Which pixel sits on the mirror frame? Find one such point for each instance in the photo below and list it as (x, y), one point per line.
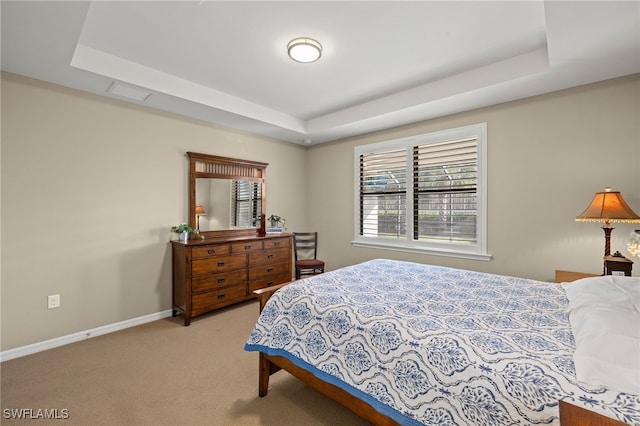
(214, 166)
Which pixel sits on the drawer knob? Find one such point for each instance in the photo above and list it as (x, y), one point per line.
(221, 296)
(247, 247)
(211, 251)
(269, 283)
(221, 280)
(220, 264)
(277, 243)
(269, 256)
(269, 269)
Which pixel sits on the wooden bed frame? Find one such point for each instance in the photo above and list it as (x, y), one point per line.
(570, 415)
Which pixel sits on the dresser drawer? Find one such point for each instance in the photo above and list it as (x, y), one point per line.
(269, 270)
(205, 302)
(216, 264)
(269, 281)
(246, 247)
(211, 250)
(272, 243)
(269, 274)
(269, 256)
(217, 281)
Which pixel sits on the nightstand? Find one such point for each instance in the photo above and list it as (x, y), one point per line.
(617, 264)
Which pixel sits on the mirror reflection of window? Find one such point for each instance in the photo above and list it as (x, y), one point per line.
(245, 204)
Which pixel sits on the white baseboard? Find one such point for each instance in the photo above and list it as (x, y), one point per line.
(81, 335)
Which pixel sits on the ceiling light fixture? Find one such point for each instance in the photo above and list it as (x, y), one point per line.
(304, 50)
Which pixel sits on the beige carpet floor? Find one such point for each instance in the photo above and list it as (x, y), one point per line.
(163, 373)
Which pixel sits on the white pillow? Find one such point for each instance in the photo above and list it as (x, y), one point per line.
(605, 319)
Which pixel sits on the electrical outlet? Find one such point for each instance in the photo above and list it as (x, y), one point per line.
(53, 301)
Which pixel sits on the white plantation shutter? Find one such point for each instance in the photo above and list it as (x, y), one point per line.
(245, 203)
(425, 193)
(445, 181)
(383, 194)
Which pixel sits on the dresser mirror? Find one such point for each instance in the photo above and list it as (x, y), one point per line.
(226, 196)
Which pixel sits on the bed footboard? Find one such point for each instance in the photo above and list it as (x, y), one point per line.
(359, 407)
(272, 364)
(264, 294)
(266, 368)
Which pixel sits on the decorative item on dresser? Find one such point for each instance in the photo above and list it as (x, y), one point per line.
(210, 274)
(184, 231)
(277, 222)
(232, 256)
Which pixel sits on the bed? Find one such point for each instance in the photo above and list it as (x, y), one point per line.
(407, 343)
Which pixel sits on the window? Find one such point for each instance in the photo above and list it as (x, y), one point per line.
(425, 193)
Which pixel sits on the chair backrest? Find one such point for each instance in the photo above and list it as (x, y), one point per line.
(305, 245)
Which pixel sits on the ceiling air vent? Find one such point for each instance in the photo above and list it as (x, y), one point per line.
(129, 92)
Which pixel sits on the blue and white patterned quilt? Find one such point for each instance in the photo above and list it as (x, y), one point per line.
(433, 345)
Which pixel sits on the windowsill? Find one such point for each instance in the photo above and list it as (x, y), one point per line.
(422, 250)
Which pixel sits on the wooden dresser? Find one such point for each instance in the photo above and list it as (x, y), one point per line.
(212, 273)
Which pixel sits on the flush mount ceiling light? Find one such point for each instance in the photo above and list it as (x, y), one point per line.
(304, 50)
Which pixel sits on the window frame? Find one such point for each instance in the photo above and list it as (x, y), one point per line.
(477, 251)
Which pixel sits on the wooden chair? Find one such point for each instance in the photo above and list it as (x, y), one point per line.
(305, 246)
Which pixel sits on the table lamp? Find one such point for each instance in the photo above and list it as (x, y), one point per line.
(608, 206)
(199, 212)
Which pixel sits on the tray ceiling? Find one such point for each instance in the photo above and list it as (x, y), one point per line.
(383, 64)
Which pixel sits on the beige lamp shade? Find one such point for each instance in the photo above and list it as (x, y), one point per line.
(608, 206)
(199, 212)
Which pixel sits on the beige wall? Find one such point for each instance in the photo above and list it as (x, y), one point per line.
(547, 156)
(91, 186)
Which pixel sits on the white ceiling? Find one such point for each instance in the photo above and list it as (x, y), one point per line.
(384, 64)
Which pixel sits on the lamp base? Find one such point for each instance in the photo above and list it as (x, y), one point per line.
(607, 228)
